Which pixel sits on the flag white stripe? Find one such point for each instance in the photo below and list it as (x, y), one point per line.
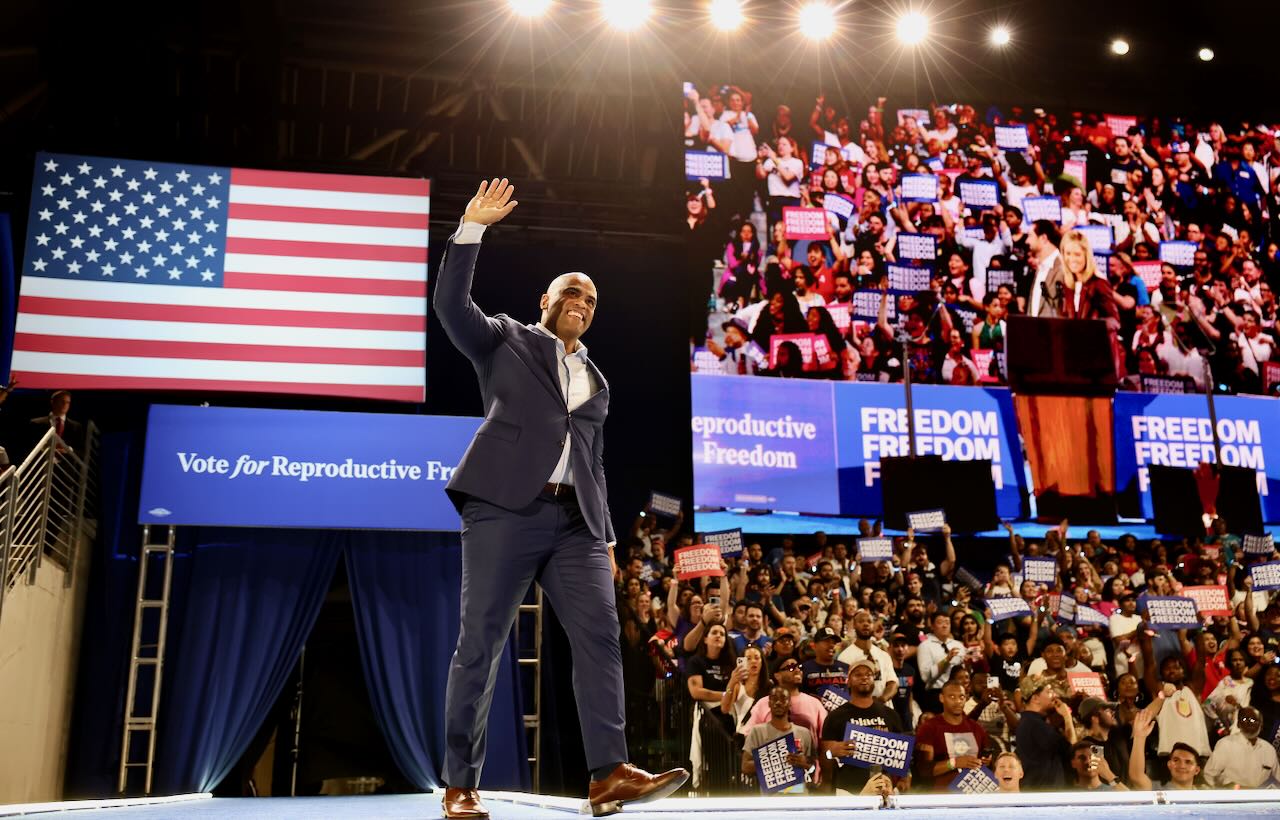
(321, 232)
(144, 330)
(132, 293)
(340, 200)
(148, 367)
(336, 268)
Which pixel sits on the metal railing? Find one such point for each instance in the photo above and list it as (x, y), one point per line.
(46, 504)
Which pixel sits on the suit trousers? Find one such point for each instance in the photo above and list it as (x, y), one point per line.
(503, 551)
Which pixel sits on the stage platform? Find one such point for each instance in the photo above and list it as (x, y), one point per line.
(779, 523)
(1108, 806)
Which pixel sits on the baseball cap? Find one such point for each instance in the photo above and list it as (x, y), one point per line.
(898, 637)
(826, 633)
(783, 632)
(864, 661)
(1031, 684)
(734, 322)
(1091, 706)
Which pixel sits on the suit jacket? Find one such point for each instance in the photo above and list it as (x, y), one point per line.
(72, 431)
(526, 415)
(1096, 302)
(1050, 300)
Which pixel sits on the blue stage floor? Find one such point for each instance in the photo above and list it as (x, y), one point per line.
(797, 524)
(427, 807)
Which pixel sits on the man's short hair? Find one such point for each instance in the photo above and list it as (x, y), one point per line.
(1048, 230)
(1013, 209)
(1183, 747)
(939, 614)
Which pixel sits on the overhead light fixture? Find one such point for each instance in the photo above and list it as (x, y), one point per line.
(1120, 47)
(817, 20)
(1206, 54)
(913, 28)
(626, 15)
(1000, 36)
(529, 8)
(726, 15)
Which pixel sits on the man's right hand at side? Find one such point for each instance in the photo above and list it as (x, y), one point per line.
(491, 203)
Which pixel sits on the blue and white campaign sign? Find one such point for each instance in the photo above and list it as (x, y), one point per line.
(1265, 576)
(975, 781)
(1170, 612)
(1259, 544)
(1179, 253)
(908, 279)
(919, 246)
(1175, 431)
(838, 204)
(1012, 138)
(773, 771)
(958, 424)
(967, 578)
(663, 504)
(877, 548)
(1040, 570)
(729, 542)
(818, 154)
(891, 752)
(1041, 207)
(1066, 609)
(241, 467)
(709, 164)
(833, 697)
(767, 449)
(1088, 616)
(865, 305)
(927, 520)
(1005, 607)
(1099, 237)
(919, 188)
(979, 193)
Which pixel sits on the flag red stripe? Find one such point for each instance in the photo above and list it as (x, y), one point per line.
(327, 216)
(218, 315)
(323, 284)
(149, 348)
(325, 250)
(71, 381)
(331, 182)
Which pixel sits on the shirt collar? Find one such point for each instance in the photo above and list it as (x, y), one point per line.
(581, 352)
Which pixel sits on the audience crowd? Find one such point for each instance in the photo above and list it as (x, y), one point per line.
(932, 229)
(802, 637)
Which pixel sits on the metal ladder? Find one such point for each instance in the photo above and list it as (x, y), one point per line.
(150, 624)
(529, 622)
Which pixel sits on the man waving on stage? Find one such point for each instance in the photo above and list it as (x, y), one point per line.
(531, 492)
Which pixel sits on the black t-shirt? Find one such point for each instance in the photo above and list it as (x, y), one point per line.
(907, 677)
(877, 716)
(816, 676)
(1009, 671)
(1044, 753)
(714, 676)
(1116, 749)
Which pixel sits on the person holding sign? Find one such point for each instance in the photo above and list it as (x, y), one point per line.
(865, 711)
(779, 725)
(949, 742)
(531, 492)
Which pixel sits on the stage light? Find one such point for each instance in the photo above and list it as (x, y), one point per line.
(529, 8)
(913, 27)
(1120, 47)
(626, 15)
(1000, 36)
(726, 15)
(1206, 54)
(817, 20)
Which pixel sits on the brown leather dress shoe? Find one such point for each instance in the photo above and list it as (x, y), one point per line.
(627, 784)
(464, 803)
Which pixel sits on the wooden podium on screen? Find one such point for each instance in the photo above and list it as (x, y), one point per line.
(1063, 377)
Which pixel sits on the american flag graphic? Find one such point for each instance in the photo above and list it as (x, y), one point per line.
(154, 276)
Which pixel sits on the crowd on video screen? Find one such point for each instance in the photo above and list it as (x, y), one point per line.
(838, 244)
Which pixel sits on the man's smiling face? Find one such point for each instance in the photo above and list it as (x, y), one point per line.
(568, 306)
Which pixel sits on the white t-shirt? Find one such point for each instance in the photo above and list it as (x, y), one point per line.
(882, 659)
(1122, 624)
(719, 132)
(1037, 666)
(743, 147)
(1017, 193)
(852, 151)
(778, 187)
(1181, 720)
(946, 136)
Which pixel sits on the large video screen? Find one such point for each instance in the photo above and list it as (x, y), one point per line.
(160, 276)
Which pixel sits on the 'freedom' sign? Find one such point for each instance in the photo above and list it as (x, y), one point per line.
(919, 188)
(1035, 208)
(906, 279)
(697, 561)
(975, 781)
(708, 164)
(927, 520)
(662, 504)
(1088, 616)
(1004, 607)
(1165, 613)
(979, 193)
(1040, 570)
(729, 542)
(833, 697)
(875, 549)
(1265, 576)
(773, 771)
(875, 748)
(921, 246)
(1012, 138)
(805, 223)
(1210, 600)
(1259, 544)
(1090, 683)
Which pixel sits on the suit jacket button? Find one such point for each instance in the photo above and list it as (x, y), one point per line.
(560, 442)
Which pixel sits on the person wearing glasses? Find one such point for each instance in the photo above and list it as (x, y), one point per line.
(1240, 760)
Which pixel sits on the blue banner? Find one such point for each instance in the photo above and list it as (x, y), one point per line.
(1265, 576)
(975, 781)
(1041, 570)
(240, 467)
(1004, 607)
(1088, 616)
(1174, 431)
(729, 542)
(773, 771)
(890, 751)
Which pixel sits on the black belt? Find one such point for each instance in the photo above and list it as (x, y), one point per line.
(559, 492)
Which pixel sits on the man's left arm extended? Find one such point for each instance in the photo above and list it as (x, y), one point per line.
(597, 465)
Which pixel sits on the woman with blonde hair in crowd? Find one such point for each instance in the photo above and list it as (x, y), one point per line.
(1087, 294)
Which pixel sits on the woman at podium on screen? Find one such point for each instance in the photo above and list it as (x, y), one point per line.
(1086, 295)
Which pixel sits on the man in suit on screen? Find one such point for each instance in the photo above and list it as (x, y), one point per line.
(531, 492)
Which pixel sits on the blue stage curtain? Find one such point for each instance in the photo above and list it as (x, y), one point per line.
(251, 599)
(405, 590)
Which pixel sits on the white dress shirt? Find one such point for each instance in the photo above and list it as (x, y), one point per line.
(930, 655)
(1236, 761)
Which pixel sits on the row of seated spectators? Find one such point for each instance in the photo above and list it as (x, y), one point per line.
(801, 637)
(1166, 233)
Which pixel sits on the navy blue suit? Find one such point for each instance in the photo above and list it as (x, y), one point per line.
(513, 536)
